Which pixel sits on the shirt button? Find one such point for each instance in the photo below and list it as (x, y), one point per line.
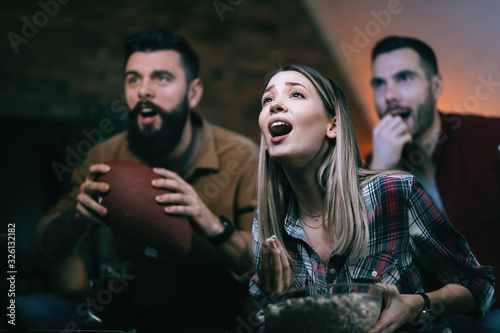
(332, 271)
(374, 273)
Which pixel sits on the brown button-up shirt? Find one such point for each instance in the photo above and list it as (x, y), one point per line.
(199, 290)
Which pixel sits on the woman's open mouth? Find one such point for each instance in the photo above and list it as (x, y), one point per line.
(279, 128)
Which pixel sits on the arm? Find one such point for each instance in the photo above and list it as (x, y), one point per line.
(450, 300)
(462, 284)
(184, 200)
(444, 253)
(60, 233)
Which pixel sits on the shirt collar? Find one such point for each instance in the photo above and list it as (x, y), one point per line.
(291, 222)
(207, 157)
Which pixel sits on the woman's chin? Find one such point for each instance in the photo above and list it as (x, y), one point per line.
(285, 159)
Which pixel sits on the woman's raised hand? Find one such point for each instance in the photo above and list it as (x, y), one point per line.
(275, 272)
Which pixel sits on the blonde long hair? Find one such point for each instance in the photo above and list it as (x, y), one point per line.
(340, 175)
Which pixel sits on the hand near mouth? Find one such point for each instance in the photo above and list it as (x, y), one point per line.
(389, 137)
(401, 112)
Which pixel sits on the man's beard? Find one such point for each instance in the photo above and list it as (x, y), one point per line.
(425, 117)
(154, 145)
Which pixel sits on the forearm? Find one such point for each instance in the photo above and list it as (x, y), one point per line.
(403, 309)
(236, 249)
(448, 301)
(60, 237)
(237, 252)
(451, 300)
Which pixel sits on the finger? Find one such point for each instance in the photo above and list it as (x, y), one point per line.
(179, 204)
(265, 274)
(392, 291)
(393, 127)
(383, 325)
(173, 198)
(83, 213)
(406, 138)
(385, 126)
(91, 205)
(387, 118)
(174, 184)
(287, 271)
(276, 266)
(386, 322)
(97, 169)
(397, 127)
(171, 181)
(91, 187)
(166, 173)
(186, 211)
(168, 184)
(395, 135)
(380, 326)
(380, 126)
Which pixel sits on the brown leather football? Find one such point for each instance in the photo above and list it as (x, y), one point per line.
(134, 214)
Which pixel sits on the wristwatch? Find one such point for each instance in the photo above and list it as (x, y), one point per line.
(426, 312)
(225, 234)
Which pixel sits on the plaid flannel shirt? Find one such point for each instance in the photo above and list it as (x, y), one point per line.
(411, 245)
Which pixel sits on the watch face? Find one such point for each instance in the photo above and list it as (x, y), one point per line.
(424, 316)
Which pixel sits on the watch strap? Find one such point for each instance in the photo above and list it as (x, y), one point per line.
(427, 301)
(426, 311)
(225, 234)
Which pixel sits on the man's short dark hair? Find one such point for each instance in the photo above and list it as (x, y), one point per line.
(392, 43)
(156, 40)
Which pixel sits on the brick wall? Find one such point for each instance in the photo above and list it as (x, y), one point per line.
(72, 65)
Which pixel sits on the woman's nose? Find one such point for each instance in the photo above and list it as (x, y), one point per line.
(277, 106)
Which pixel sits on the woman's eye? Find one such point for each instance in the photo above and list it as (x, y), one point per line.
(297, 94)
(162, 78)
(266, 100)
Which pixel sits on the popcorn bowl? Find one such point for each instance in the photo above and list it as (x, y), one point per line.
(338, 307)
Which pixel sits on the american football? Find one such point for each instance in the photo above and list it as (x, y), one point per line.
(134, 214)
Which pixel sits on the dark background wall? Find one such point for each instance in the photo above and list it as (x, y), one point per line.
(61, 73)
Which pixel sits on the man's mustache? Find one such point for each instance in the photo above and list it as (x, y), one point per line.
(146, 105)
(398, 110)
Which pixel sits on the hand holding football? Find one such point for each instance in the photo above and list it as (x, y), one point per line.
(134, 214)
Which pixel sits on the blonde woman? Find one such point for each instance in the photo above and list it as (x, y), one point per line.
(336, 222)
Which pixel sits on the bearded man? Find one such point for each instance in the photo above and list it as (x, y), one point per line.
(206, 291)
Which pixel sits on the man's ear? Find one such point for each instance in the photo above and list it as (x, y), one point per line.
(195, 92)
(437, 85)
(331, 131)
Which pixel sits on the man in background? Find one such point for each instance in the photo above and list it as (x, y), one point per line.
(455, 157)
